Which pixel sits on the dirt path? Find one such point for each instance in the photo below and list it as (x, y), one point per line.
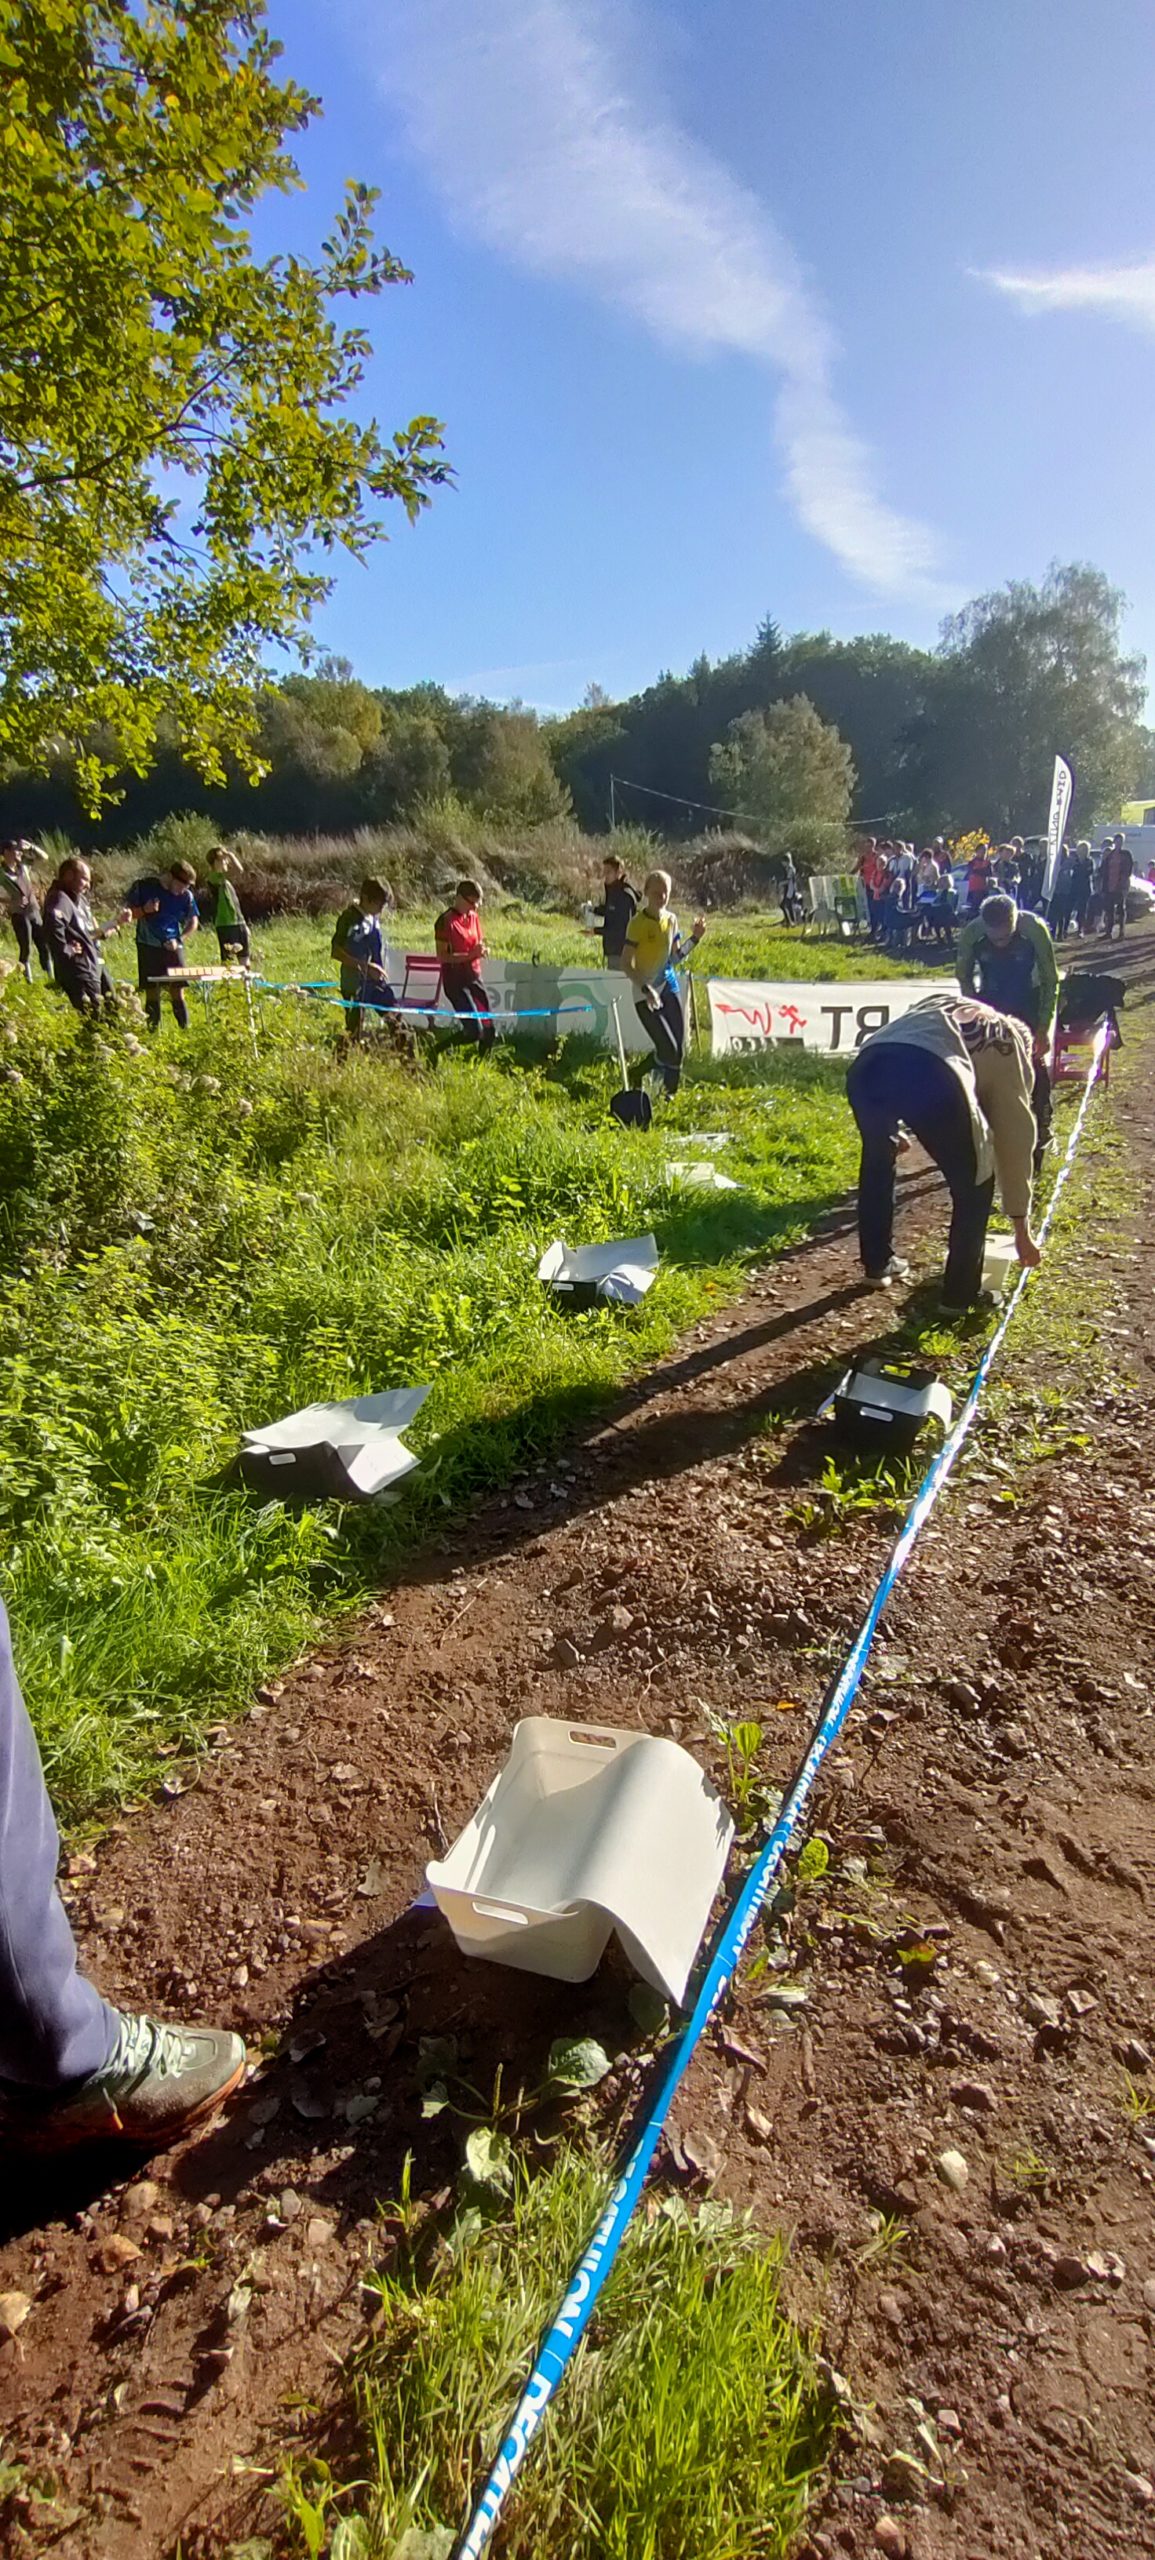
(992, 1807)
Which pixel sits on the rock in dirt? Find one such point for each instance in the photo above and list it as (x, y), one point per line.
(14, 2310)
(115, 2252)
(889, 2537)
(953, 2170)
(1069, 2271)
(975, 2096)
(1136, 2056)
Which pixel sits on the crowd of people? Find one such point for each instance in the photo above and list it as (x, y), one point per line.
(640, 936)
(922, 897)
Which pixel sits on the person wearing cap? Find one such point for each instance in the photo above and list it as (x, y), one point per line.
(957, 1075)
(19, 902)
(1008, 958)
(73, 2069)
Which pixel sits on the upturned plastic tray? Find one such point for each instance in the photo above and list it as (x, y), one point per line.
(585, 1830)
(351, 1451)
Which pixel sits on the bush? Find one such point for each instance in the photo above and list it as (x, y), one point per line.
(730, 870)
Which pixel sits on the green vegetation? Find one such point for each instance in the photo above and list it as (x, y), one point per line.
(693, 2416)
(193, 1239)
(938, 740)
(148, 349)
(789, 773)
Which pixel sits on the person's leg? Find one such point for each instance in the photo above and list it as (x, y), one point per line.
(459, 994)
(486, 1026)
(43, 946)
(149, 985)
(22, 929)
(1042, 1107)
(179, 1001)
(869, 1094)
(670, 1040)
(54, 2026)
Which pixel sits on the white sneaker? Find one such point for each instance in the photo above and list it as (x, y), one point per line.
(896, 1269)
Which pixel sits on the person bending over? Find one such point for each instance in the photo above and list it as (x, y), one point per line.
(20, 903)
(223, 906)
(358, 944)
(163, 910)
(957, 1074)
(72, 2069)
(1008, 959)
(460, 946)
(654, 948)
(75, 939)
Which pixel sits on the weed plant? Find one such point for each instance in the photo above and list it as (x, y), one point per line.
(194, 1239)
(693, 2411)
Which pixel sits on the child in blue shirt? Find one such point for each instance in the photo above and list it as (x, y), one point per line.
(163, 910)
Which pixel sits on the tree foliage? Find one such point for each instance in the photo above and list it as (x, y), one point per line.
(789, 771)
(177, 454)
(1023, 674)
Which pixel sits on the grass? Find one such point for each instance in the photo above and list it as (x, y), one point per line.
(194, 1239)
(740, 946)
(693, 2411)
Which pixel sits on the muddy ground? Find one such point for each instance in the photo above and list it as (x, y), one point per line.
(974, 1976)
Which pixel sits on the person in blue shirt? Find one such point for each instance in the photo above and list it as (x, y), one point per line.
(359, 944)
(164, 910)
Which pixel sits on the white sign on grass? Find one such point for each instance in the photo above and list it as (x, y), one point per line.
(832, 1015)
(544, 1001)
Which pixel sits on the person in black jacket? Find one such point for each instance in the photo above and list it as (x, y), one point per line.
(616, 913)
(75, 939)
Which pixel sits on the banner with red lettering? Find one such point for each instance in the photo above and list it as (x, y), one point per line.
(832, 1015)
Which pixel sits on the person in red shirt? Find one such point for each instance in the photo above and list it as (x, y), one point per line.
(461, 949)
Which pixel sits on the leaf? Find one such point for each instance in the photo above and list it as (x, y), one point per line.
(425, 2542)
(577, 2062)
(648, 2009)
(436, 2058)
(489, 2159)
(814, 1861)
(351, 2540)
(436, 2099)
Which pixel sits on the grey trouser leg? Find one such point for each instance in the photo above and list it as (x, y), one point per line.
(54, 2027)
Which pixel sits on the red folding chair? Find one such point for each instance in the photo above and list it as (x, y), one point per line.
(422, 986)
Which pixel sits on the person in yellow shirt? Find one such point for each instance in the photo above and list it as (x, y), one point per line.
(654, 948)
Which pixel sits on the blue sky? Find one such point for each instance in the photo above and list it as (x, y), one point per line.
(837, 310)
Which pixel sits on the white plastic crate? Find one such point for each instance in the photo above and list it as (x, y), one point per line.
(585, 1830)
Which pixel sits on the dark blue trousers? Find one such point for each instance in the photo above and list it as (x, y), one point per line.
(54, 2027)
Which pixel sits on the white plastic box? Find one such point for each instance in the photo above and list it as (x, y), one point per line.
(586, 1830)
(1000, 1263)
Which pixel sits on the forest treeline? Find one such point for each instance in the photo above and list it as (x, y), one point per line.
(811, 730)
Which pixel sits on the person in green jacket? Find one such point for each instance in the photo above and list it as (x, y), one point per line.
(222, 906)
(1006, 957)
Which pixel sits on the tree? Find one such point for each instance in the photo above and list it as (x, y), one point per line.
(791, 773)
(177, 457)
(1021, 675)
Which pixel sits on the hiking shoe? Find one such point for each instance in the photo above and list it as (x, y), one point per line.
(895, 1269)
(159, 2083)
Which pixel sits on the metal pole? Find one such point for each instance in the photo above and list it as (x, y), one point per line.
(613, 812)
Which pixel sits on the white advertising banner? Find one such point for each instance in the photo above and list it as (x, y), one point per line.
(527, 995)
(1061, 789)
(832, 1015)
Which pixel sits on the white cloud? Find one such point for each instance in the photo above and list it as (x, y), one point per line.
(521, 114)
(1114, 293)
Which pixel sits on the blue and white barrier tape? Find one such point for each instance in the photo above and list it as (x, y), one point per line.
(561, 2341)
(370, 1003)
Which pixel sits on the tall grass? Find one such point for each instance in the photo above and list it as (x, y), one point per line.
(194, 1239)
(693, 2415)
